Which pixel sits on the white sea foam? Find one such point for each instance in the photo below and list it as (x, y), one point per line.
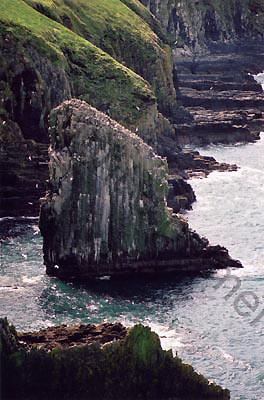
(191, 315)
(21, 218)
(31, 280)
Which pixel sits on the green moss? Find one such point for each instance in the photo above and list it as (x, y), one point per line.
(144, 13)
(144, 345)
(92, 18)
(133, 368)
(96, 77)
(127, 31)
(167, 226)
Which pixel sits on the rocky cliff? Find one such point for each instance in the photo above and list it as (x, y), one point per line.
(128, 33)
(49, 58)
(45, 63)
(53, 51)
(120, 58)
(198, 25)
(96, 362)
(224, 101)
(106, 212)
(215, 45)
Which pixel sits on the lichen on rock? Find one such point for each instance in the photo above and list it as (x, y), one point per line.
(108, 194)
(106, 212)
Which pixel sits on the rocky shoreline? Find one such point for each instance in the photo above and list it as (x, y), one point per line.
(222, 103)
(191, 94)
(225, 103)
(204, 89)
(96, 362)
(64, 336)
(180, 75)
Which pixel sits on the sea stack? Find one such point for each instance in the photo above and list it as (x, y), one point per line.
(106, 210)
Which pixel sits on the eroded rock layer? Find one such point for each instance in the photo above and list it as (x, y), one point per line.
(197, 25)
(106, 212)
(215, 46)
(224, 101)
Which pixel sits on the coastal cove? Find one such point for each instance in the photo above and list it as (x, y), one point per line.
(131, 199)
(188, 313)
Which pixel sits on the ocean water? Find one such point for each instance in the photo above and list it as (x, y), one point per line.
(214, 321)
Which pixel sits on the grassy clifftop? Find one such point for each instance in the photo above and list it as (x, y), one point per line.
(93, 74)
(127, 31)
(92, 18)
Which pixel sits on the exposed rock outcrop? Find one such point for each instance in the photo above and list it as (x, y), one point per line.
(106, 212)
(122, 364)
(64, 336)
(23, 177)
(215, 47)
(202, 24)
(225, 103)
(43, 64)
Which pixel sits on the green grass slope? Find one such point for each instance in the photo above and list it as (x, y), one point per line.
(95, 16)
(127, 31)
(93, 75)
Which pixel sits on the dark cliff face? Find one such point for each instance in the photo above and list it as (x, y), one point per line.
(46, 63)
(30, 86)
(106, 212)
(215, 45)
(107, 204)
(197, 25)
